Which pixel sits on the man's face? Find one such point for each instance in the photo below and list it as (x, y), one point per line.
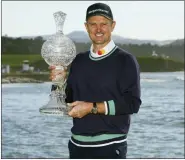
(99, 29)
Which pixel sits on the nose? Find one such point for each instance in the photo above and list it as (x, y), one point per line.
(98, 27)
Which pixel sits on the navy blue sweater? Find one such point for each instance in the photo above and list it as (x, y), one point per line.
(114, 78)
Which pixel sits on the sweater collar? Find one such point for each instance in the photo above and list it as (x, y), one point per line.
(102, 51)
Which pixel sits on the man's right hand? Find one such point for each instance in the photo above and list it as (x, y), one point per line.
(56, 72)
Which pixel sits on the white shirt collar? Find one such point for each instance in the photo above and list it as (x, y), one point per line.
(106, 49)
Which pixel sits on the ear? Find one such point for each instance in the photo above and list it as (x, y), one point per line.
(85, 23)
(113, 25)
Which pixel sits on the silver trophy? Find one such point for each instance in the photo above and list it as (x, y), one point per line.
(58, 51)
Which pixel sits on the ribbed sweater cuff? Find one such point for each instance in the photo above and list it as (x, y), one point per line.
(111, 108)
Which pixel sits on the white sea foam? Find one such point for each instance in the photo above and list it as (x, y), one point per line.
(179, 78)
(152, 80)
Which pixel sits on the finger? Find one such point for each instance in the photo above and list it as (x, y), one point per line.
(57, 72)
(70, 114)
(73, 114)
(51, 67)
(73, 103)
(52, 75)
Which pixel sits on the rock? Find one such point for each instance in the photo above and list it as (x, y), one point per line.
(5, 81)
(19, 80)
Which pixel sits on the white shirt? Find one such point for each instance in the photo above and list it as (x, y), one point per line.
(106, 49)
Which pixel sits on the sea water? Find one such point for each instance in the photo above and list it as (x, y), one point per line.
(157, 131)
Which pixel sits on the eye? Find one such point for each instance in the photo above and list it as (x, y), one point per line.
(104, 24)
(92, 24)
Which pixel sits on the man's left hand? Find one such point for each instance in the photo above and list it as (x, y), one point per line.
(80, 109)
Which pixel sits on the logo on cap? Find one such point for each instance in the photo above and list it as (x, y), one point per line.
(96, 10)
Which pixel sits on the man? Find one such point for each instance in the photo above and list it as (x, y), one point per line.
(103, 89)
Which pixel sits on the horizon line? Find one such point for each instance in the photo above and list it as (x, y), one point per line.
(6, 35)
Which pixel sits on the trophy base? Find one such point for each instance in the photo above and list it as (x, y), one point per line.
(56, 104)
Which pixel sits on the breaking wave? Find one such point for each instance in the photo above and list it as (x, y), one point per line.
(152, 80)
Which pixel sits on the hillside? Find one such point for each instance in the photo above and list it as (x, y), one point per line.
(177, 42)
(82, 37)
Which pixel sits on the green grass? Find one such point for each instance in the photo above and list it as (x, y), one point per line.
(17, 60)
(153, 64)
(147, 64)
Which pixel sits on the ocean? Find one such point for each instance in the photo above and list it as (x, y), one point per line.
(156, 131)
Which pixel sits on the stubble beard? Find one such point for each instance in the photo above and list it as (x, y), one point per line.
(104, 42)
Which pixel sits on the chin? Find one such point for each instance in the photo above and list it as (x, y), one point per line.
(99, 42)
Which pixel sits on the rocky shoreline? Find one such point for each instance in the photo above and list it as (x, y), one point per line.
(19, 80)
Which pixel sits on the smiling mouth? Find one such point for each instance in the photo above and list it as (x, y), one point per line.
(99, 34)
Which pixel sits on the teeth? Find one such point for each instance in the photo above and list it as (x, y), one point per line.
(99, 34)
